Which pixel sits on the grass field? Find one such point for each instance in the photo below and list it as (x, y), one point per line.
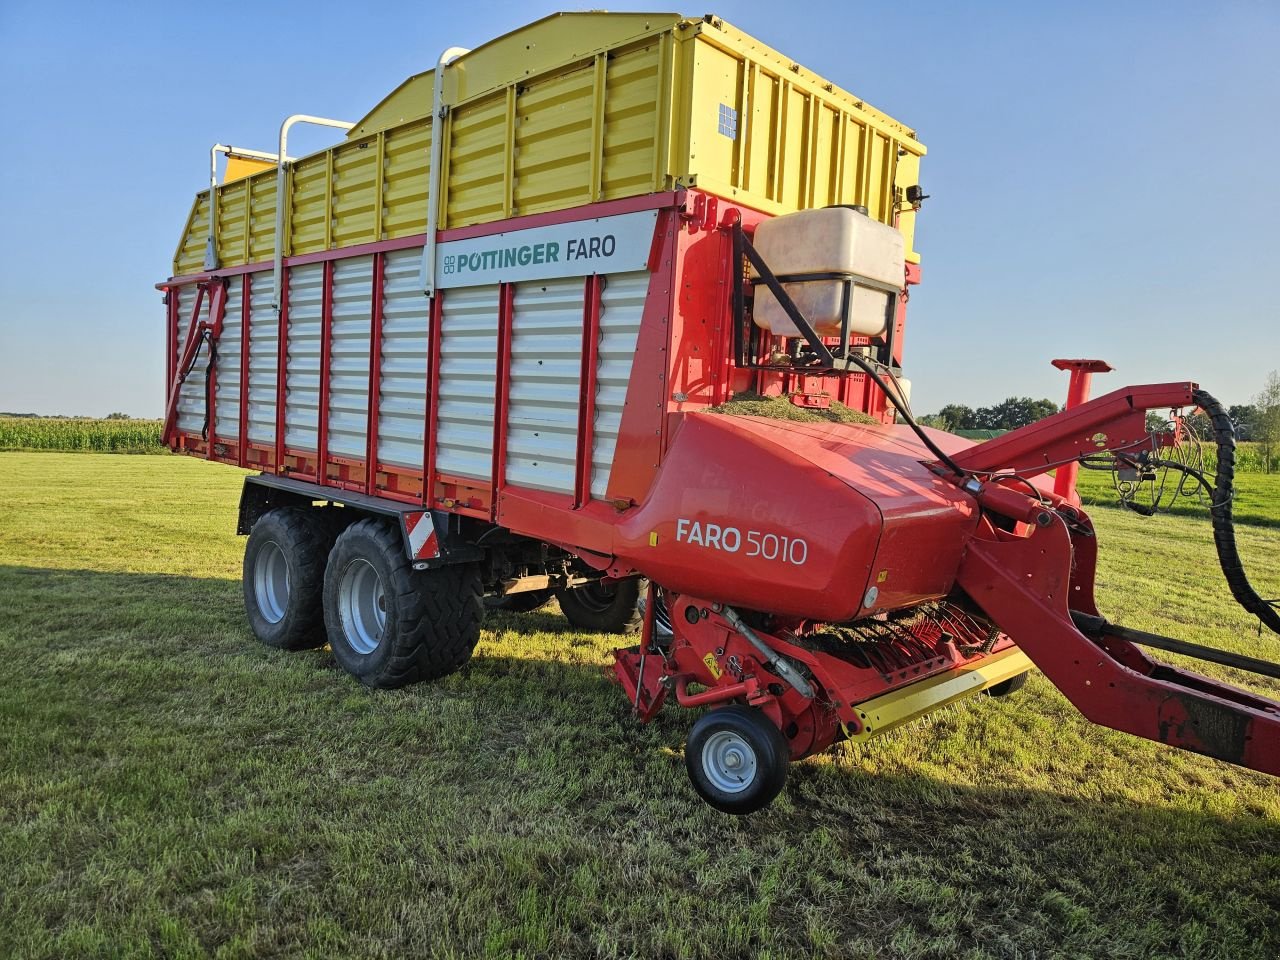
(170, 789)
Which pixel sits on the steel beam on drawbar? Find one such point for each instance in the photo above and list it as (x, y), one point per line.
(1099, 626)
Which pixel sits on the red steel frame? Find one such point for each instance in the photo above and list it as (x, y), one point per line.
(587, 379)
(245, 343)
(375, 377)
(436, 318)
(326, 359)
(502, 398)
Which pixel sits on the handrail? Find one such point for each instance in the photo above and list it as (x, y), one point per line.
(282, 167)
(438, 113)
(211, 246)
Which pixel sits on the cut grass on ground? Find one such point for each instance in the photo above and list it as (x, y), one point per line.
(169, 788)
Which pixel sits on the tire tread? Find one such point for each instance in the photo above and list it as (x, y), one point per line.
(438, 612)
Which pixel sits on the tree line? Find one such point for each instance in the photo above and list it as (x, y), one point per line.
(1007, 415)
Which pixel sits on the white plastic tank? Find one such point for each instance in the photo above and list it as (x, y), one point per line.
(834, 240)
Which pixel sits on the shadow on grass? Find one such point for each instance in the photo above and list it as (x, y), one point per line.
(150, 695)
(534, 658)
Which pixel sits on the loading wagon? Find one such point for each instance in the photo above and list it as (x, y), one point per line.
(485, 350)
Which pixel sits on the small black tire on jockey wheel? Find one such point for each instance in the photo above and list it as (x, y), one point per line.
(283, 577)
(611, 606)
(390, 625)
(737, 759)
(1008, 687)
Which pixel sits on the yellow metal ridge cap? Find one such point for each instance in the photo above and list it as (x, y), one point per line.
(558, 40)
(735, 40)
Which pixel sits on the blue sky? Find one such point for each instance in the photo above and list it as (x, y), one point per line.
(1102, 176)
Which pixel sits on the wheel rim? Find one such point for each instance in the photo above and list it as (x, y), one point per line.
(729, 762)
(362, 605)
(597, 597)
(271, 582)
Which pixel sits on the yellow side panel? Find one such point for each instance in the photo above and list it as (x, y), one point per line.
(553, 142)
(262, 217)
(307, 225)
(632, 88)
(762, 130)
(761, 140)
(824, 183)
(715, 115)
(231, 201)
(477, 162)
(408, 152)
(794, 150)
(531, 51)
(189, 257)
(240, 167)
(355, 192)
(408, 102)
(572, 109)
(908, 176)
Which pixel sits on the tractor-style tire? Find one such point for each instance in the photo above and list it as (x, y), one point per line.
(524, 602)
(737, 759)
(600, 607)
(390, 625)
(283, 577)
(1008, 687)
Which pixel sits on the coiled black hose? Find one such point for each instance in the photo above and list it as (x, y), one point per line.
(1224, 531)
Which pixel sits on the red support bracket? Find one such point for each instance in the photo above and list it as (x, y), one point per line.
(587, 380)
(326, 361)
(375, 376)
(246, 344)
(502, 388)
(216, 289)
(436, 315)
(1082, 371)
(282, 371)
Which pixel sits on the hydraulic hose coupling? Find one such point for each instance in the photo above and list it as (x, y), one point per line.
(773, 661)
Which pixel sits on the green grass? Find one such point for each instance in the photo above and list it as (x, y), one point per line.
(170, 789)
(80, 435)
(1257, 500)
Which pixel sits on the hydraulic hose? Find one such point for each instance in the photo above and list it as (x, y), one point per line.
(905, 413)
(1224, 531)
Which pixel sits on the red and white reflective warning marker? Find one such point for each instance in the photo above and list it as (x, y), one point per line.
(421, 532)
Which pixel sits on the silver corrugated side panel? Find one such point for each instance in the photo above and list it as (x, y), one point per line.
(302, 383)
(545, 386)
(621, 307)
(349, 357)
(228, 366)
(402, 403)
(468, 375)
(264, 332)
(191, 395)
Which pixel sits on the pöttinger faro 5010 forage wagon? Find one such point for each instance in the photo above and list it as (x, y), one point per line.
(475, 351)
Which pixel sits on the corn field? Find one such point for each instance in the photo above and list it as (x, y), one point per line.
(84, 434)
(80, 435)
